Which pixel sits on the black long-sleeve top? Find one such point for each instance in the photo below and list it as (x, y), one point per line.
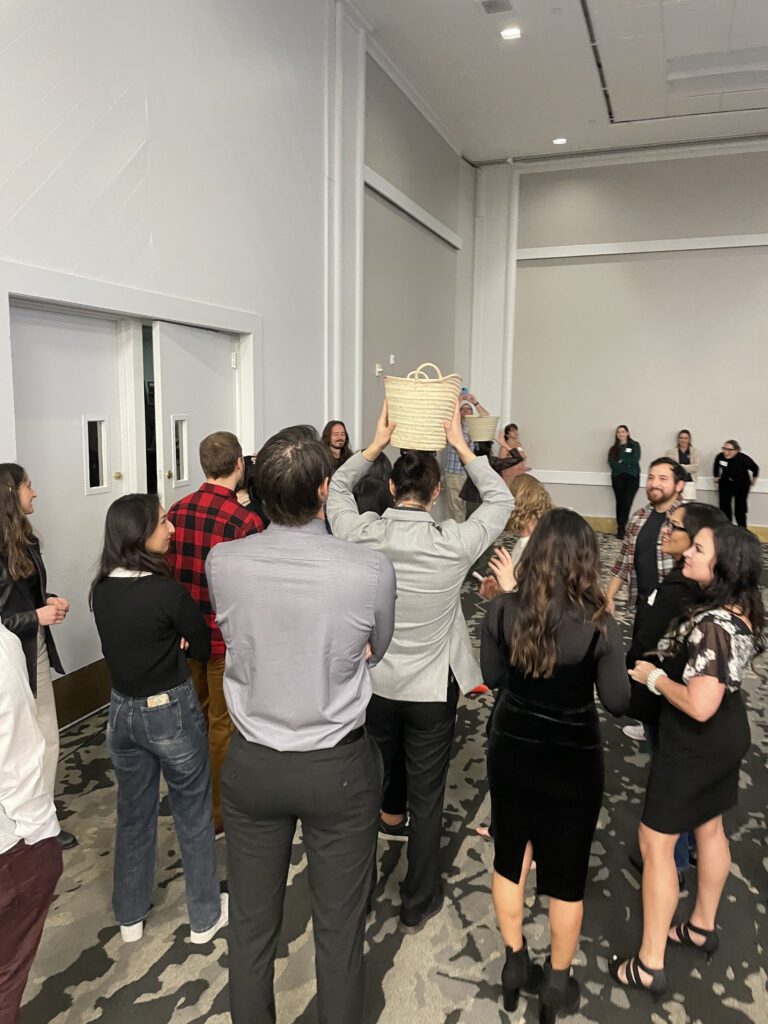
(141, 621)
(573, 638)
(736, 470)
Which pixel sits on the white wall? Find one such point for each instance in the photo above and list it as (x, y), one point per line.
(180, 148)
(671, 337)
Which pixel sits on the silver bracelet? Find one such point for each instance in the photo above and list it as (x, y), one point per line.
(653, 678)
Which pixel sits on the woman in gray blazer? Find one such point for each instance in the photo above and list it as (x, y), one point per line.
(416, 684)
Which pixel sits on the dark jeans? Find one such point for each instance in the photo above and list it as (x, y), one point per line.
(426, 732)
(734, 499)
(336, 794)
(143, 741)
(28, 877)
(625, 488)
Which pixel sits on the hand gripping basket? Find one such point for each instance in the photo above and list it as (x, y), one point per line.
(419, 404)
(482, 428)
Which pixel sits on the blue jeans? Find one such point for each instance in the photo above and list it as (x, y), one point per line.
(142, 742)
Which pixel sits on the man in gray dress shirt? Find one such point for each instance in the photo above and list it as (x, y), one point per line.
(304, 615)
(415, 685)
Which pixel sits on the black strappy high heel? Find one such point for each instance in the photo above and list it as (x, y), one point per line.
(518, 973)
(710, 945)
(658, 985)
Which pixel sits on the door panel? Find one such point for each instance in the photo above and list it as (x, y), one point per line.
(194, 396)
(65, 377)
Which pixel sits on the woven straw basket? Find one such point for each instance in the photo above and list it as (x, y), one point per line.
(419, 404)
(482, 428)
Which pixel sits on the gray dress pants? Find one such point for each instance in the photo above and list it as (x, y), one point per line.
(336, 794)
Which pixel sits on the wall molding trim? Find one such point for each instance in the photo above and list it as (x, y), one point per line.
(384, 188)
(560, 252)
(650, 154)
(583, 478)
(377, 51)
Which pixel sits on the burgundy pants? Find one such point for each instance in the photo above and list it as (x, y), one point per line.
(28, 877)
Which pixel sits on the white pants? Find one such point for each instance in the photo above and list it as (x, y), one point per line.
(46, 715)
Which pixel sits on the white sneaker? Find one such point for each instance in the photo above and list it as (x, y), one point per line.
(198, 938)
(132, 932)
(634, 732)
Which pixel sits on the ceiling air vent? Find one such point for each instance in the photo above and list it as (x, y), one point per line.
(497, 6)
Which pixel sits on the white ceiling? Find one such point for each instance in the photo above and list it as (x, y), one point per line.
(672, 71)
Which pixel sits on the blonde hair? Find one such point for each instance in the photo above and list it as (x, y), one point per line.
(532, 501)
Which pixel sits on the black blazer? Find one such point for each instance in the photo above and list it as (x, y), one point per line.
(18, 614)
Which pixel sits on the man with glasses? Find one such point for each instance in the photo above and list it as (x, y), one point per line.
(735, 473)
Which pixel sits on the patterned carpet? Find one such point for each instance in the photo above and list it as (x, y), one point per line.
(446, 974)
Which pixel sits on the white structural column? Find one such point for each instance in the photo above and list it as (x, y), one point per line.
(344, 215)
(495, 268)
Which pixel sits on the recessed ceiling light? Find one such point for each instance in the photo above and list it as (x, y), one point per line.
(559, 142)
(513, 32)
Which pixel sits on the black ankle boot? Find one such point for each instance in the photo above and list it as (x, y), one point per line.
(518, 973)
(560, 994)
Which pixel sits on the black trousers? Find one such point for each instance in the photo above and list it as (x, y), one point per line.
(426, 732)
(336, 794)
(734, 499)
(395, 799)
(625, 488)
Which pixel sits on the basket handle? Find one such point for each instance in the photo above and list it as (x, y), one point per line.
(417, 374)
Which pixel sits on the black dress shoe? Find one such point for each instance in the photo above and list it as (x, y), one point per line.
(66, 840)
(411, 922)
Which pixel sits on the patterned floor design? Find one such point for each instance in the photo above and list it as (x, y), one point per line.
(446, 974)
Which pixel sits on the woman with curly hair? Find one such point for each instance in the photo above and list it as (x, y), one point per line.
(703, 738)
(547, 644)
(532, 501)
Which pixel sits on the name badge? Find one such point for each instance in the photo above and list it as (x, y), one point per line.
(628, 451)
(158, 701)
(724, 463)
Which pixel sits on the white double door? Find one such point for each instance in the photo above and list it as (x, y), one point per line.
(78, 384)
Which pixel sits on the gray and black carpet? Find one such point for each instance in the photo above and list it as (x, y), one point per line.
(449, 972)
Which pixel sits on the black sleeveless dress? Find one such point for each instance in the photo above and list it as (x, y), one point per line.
(545, 763)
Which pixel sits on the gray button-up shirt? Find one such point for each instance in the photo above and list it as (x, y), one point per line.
(296, 608)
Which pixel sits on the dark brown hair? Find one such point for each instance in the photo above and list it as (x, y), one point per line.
(614, 450)
(289, 473)
(557, 576)
(130, 522)
(346, 451)
(219, 453)
(15, 532)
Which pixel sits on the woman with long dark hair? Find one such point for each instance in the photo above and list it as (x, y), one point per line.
(624, 460)
(29, 611)
(703, 738)
(547, 644)
(147, 622)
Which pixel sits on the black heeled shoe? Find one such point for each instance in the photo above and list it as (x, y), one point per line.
(658, 985)
(709, 946)
(518, 973)
(560, 994)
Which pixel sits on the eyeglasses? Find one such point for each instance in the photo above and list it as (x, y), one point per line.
(725, 448)
(673, 526)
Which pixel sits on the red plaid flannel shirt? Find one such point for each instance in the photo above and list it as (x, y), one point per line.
(625, 564)
(202, 520)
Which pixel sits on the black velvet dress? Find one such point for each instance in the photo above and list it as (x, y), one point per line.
(545, 757)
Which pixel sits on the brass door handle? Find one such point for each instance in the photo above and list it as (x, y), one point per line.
(169, 474)
(118, 475)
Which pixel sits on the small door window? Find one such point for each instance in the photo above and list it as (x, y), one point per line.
(180, 452)
(96, 454)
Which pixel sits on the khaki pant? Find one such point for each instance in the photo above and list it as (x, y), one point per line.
(453, 484)
(45, 705)
(208, 677)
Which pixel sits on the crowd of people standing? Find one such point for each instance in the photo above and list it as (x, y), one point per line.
(289, 674)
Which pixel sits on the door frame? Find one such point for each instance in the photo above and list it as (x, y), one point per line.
(132, 307)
